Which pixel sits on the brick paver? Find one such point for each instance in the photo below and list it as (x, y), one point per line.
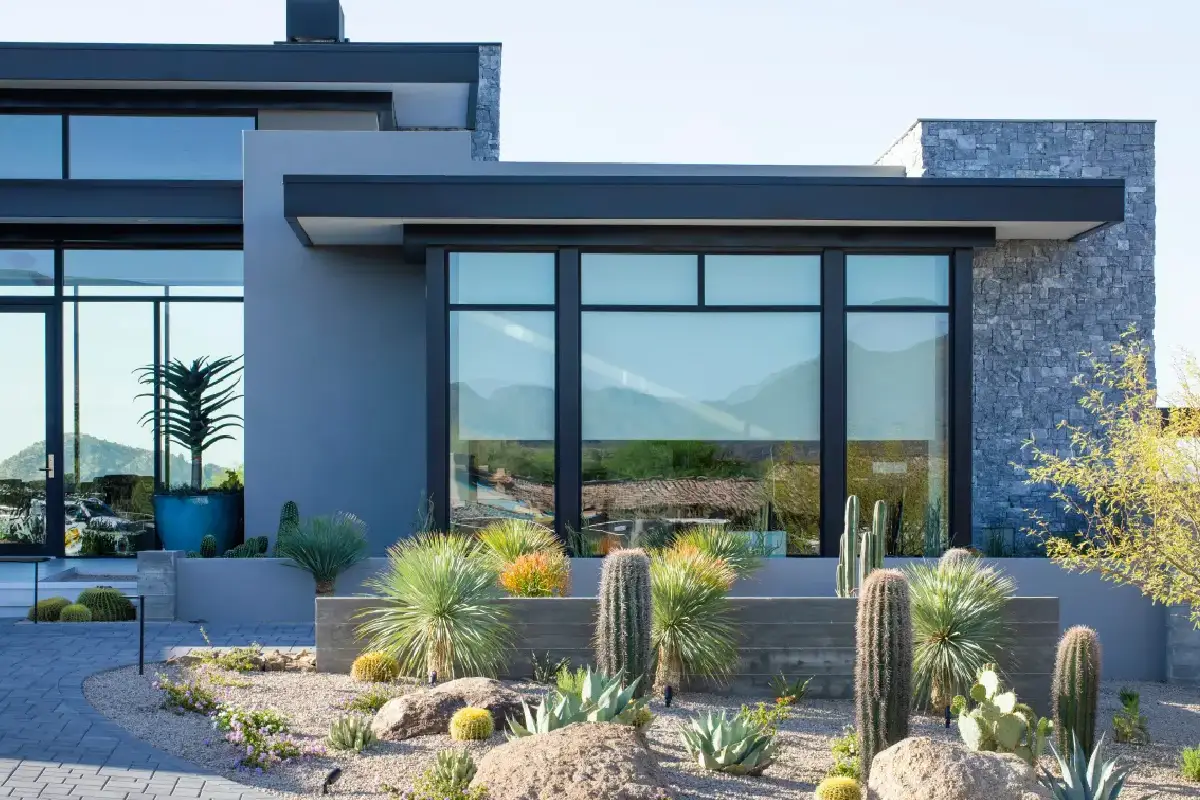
(54, 745)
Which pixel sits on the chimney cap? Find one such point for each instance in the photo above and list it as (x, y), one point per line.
(315, 21)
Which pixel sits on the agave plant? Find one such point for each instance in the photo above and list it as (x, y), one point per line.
(735, 745)
(736, 549)
(442, 612)
(194, 401)
(326, 547)
(1085, 778)
(692, 631)
(600, 699)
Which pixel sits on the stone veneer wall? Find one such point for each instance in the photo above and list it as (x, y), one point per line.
(1038, 304)
(485, 139)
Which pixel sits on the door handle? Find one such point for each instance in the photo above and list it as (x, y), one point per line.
(49, 468)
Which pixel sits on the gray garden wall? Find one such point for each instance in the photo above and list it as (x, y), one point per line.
(799, 636)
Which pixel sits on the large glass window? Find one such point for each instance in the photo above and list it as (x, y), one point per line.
(897, 280)
(27, 273)
(754, 280)
(30, 146)
(502, 278)
(157, 148)
(702, 418)
(153, 273)
(639, 279)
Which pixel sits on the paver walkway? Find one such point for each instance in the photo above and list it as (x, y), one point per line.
(54, 745)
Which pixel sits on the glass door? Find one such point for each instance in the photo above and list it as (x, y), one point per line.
(30, 433)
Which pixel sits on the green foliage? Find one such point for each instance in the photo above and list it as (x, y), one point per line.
(735, 745)
(998, 723)
(208, 546)
(266, 720)
(845, 755)
(847, 566)
(571, 682)
(75, 612)
(1129, 725)
(767, 717)
(1075, 688)
(441, 609)
(783, 688)
(504, 541)
(327, 546)
(375, 667)
(471, 724)
(692, 628)
(180, 696)
(448, 779)
(874, 543)
(883, 664)
(838, 788)
(601, 699)
(47, 610)
(260, 736)
(546, 668)
(233, 659)
(624, 625)
(370, 701)
(742, 551)
(1083, 778)
(351, 732)
(958, 625)
(1189, 764)
(97, 543)
(106, 604)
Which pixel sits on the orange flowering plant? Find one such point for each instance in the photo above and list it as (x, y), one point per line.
(541, 574)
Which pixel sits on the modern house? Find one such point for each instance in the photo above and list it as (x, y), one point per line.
(612, 350)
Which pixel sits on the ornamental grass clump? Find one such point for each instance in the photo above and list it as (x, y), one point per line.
(739, 550)
(546, 574)
(692, 630)
(325, 547)
(503, 542)
(441, 610)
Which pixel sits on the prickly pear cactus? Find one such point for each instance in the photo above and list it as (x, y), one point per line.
(997, 722)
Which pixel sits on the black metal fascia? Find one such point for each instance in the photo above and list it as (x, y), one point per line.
(734, 198)
(184, 101)
(121, 202)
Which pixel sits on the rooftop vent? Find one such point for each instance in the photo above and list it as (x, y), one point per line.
(315, 21)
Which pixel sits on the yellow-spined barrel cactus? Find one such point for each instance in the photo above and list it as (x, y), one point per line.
(375, 668)
(469, 724)
(48, 610)
(838, 789)
(75, 613)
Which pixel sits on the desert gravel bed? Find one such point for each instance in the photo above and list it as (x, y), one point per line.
(311, 701)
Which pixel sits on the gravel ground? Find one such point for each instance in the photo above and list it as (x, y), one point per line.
(312, 701)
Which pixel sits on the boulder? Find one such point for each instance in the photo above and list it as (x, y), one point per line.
(934, 769)
(428, 711)
(584, 761)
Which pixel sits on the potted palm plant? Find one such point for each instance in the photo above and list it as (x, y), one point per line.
(194, 414)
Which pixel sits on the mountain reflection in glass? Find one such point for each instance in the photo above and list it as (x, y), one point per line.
(701, 418)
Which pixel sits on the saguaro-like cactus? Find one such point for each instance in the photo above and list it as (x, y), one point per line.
(208, 546)
(623, 629)
(874, 542)
(1075, 688)
(847, 566)
(289, 522)
(883, 665)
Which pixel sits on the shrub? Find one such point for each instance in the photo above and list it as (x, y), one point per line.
(845, 755)
(1189, 764)
(1075, 689)
(735, 745)
(351, 732)
(958, 626)
(623, 627)
(106, 604)
(1129, 725)
(440, 611)
(838, 789)
(998, 723)
(503, 542)
(769, 718)
(692, 630)
(326, 547)
(469, 724)
(448, 779)
(537, 575)
(247, 658)
(47, 610)
(546, 668)
(571, 682)
(375, 668)
(370, 701)
(182, 696)
(266, 720)
(260, 736)
(883, 666)
(737, 549)
(75, 612)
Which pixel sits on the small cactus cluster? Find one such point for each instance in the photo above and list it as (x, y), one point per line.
(254, 547)
(1075, 688)
(883, 664)
(998, 723)
(375, 668)
(351, 732)
(623, 627)
(47, 610)
(471, 724)
(106, 604)
(857, 557)
(956, 555)
(75, 613)
(841, 788)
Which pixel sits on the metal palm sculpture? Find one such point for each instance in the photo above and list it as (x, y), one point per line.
(194, 399)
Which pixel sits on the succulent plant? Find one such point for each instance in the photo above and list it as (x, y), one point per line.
(1086, 778)
(47, 610)
(1129, 725)
(351, 732)
(998, 723)
(106, 604)
(471, 724)
(601, 699)
(874, 543)
(75, 613)
(208, 546)
(840, 788)
(1075, 688)
(453, 769)
(721, 743)
(847, 566)
(956, 554)
(883, 664)
(375, 668)
(623, 626)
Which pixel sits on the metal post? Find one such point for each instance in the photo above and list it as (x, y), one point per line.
(35, 590)
(141, 634)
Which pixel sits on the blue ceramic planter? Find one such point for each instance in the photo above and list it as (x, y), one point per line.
(182, 521)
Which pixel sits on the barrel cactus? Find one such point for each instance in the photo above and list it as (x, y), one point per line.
(840, 788)
(874, 542)
(623, 627)
(883, 665)
(997, 722)
(1075, 688)
(47, 610)
(75, 613)
(208, 546)
(471, 724)
(847, 566)
(375, 668)
(106, 604)
(956, 555)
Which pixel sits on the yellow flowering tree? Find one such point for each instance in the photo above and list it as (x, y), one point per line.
(1133, 479)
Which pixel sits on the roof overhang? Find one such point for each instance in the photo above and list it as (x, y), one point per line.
(348, 210)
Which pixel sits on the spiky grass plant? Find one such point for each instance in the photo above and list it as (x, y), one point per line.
(441, 611)
(958, 626)
(692, 631)
(545, 574)
(737, 549)
(326, 547)
(503, 542)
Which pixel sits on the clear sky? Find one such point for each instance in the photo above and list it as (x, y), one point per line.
(767, 81)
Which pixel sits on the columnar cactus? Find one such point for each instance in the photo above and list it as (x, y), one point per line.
(847, 566)
(883, 666)
(623, 628)
(874, 542)
(208, 546)
(1075, 688)
(289, 522)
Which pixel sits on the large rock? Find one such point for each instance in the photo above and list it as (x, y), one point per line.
(428, 711)
(584, 761)
(920, 767)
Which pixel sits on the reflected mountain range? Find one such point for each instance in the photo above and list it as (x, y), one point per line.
(100, 457)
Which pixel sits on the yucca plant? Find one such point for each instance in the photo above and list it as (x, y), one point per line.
(442, 611)
(1084, 778)
(958, 627)
(692, 632)
(195, 398)
(736, 548)
(326, 547)
(504, 541)
(735, 745)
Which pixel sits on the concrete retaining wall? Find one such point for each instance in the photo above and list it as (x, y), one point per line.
(799, 636)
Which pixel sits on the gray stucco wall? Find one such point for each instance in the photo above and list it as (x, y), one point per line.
(1039, 304)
